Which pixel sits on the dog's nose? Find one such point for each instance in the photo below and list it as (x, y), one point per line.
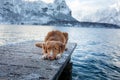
(51, 58)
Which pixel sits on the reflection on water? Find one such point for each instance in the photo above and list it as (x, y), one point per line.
(97, 56)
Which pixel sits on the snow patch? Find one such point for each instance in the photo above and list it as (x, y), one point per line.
(107, 15)
(33, 11)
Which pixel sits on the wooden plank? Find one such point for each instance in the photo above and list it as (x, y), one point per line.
(22, 61)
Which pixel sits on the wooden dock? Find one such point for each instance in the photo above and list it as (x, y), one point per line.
(22, 61)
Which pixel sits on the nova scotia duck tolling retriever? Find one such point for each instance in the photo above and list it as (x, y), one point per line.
(54, 44)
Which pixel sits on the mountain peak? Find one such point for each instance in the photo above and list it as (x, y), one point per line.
(37, 12)
(59, 1)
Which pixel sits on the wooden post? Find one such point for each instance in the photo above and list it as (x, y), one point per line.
(67, 72)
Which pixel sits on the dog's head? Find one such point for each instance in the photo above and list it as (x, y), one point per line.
(52, 48)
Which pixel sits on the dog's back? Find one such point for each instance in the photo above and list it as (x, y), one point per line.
(54, 44)
(57, 36)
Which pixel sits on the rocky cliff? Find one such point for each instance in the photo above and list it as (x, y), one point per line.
(37, 12)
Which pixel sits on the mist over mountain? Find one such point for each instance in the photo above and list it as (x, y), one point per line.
(109, 14)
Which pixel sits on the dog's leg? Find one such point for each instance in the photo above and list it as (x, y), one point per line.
(66, 49)
(44, 56)
(58, 56)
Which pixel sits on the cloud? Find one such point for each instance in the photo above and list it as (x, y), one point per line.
(48, 1)
(81, 8)
(74, 4)
(116, 5)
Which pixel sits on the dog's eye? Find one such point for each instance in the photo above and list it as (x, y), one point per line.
(56, 48)
(43, 47)
(48, 48)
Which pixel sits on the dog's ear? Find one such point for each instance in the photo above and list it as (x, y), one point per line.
(62, 48)
(40, 44)
(66, 36)
(43, 46)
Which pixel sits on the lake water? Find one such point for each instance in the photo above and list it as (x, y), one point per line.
(96, 57)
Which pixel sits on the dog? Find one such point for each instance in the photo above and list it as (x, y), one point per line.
(54, 44)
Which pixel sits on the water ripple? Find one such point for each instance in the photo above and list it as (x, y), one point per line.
(96, 57)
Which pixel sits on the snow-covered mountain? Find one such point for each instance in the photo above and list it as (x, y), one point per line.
(110, 15)
(37, 12)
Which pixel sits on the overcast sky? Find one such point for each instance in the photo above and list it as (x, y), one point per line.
(84, 7)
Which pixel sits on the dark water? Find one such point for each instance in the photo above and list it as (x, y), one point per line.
(97, 56)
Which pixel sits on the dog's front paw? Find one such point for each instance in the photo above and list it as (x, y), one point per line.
(66, 49)
(58, 56)
(44, 56)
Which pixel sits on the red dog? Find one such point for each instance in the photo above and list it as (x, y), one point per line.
(54, 44)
